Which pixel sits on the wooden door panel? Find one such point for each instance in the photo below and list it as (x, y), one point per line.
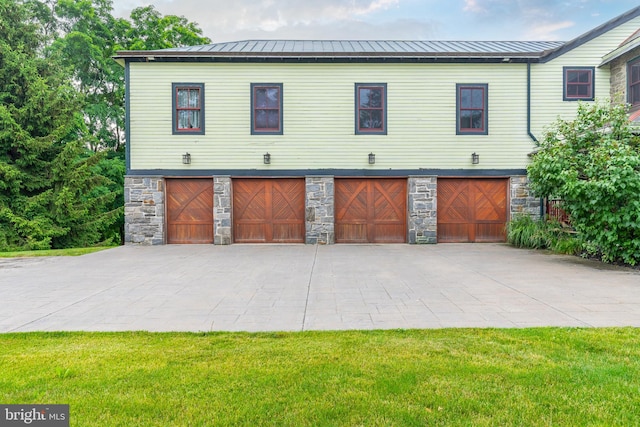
(472, 210)
(490, 233)
(189, 210)
(370, 210)
(268, 210)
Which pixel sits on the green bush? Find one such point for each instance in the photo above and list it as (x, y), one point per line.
(593, 164)
(525, 232)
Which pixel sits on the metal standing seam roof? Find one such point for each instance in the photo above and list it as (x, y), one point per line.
(359, 48)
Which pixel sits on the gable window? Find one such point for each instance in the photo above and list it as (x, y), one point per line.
(633, 79)
(578, 83)
(371, 108)
(471, 105)
(266, 108)
(188, 108)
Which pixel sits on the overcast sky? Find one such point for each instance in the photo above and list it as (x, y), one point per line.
(231, 20)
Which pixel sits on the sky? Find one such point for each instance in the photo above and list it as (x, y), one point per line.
(495, 20)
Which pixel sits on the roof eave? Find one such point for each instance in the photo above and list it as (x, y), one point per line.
(617, 53)
(153, 55)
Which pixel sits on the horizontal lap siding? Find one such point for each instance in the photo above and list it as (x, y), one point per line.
(547, 78)
(319, 117)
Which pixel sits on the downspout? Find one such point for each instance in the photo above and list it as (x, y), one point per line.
(531, 135)
(127, 115)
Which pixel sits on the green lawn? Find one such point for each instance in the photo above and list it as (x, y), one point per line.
(485, 377)
(54, 252)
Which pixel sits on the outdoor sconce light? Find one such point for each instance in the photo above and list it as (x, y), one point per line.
(267, 158)
(475, 158)
(186, 159)
(372, 159)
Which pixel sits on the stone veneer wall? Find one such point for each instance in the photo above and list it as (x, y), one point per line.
(319, 212)
(144, 210)
(522, 199)
(423, 212)
(221, 210)
(619, 76)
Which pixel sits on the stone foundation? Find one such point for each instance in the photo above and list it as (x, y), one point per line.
(522, 200)
(221, 210)
(319, 212)
(144, 210)
(423, 214)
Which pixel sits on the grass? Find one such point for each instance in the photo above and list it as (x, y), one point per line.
(480, 377)
(54, 252)
(525, 232)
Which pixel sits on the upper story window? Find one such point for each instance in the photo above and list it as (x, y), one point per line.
(578, 83)
(188, 108)
(633, 79)
(266, 109)
(371, 108)
(472, 109)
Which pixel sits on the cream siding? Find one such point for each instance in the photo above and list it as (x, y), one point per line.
(319, 116)
(547, 78)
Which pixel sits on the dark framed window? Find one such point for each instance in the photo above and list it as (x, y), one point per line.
(633, 81)
(188, 108)
(266, 109)
(472, 109)
(371, 108)
(579, 83)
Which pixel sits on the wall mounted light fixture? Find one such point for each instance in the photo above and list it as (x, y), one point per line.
(186, 158)
(266, 158)
(372, 159)
(475, 158)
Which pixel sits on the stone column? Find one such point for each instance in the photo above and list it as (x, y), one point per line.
(144, 210)
(319, 212)
(423, 209)
(523, 202)
(221, 210)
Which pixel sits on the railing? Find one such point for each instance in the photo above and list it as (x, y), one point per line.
(555, 211)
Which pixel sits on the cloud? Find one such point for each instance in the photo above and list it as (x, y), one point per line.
(472, 6)
(222, 20)
(547, 31)
(526, 19)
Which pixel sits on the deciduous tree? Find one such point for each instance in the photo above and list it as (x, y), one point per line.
(593, 164)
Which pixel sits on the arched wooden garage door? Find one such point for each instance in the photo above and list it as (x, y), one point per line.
(268, 210)
(189, 210)
(472, 210)
(371, 210)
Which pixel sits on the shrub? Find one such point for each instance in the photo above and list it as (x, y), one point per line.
(525, 232)
(593, 164)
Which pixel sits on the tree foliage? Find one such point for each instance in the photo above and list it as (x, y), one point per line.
(92, 36)
(62, 117)
(593, 164)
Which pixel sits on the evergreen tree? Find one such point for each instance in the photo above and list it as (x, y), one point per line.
(48, 189)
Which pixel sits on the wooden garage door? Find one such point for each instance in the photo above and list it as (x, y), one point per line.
(189, 210)
(472, 210)
(371, 210)
(268, 210)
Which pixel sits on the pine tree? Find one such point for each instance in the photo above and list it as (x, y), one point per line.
(50, 195)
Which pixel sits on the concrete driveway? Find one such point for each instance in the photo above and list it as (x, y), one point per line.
(298, 287)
